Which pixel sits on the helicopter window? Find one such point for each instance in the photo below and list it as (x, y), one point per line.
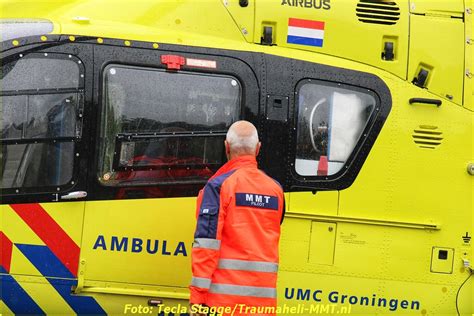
(331, 120)
(40, 73)
(164, 128)
(39, 116)
(41, 98)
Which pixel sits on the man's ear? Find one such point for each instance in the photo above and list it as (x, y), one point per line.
(257, 151)
(227, 149)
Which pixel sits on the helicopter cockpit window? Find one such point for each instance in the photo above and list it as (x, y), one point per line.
(331, 120)
(164, 128)
(41, 98)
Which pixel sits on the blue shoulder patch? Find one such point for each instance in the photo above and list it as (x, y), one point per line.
(256, 200)
(209, 209)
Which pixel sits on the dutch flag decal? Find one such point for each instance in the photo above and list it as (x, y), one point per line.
(305, 32)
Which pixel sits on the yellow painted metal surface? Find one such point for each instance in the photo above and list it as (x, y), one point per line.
(317, 291)
(442, 260)
(344, 35)
(409, 182)
(17, 230)
(438, 7)
(5, 310)
(469, 59)
(21, 265)
(139, 233)
(68, 216)
(323, 236)
(430, 50)
(323, 202)
(41, 291)
(184, 22)
(243, 17)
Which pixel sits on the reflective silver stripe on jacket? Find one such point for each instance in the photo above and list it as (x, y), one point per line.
(201, 282)
(247, 265)
(255, 291)
(207, 243)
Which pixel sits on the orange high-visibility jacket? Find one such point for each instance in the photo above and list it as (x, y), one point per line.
(235, 250)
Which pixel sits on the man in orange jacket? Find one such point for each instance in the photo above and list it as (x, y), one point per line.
(235, 250)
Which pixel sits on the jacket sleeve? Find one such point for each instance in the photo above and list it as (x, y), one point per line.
(207, 241)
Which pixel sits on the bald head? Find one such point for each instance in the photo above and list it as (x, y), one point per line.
(242, 139)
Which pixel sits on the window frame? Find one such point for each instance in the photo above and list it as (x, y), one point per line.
(79, 122)
(143, 54)
(123, 137)
(56, 44)
(324, 181)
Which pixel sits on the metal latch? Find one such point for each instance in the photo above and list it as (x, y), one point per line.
(388, 52)
(420, 80)
(267, 37)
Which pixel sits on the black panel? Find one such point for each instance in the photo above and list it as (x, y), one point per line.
(261, 75)
(283, 76)
(277, 108)
(226, 65)
(78, 182)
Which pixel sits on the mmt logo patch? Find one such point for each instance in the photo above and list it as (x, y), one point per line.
(256, 200)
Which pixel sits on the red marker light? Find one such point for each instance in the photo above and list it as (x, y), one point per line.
(173, 62)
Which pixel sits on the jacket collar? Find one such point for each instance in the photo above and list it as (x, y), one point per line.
(236, 163)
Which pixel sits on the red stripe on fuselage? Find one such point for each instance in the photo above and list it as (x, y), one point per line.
(57, 240)
(317, 25)
(6, 252)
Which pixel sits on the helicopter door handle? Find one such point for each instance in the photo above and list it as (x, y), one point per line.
(425, 101)
(74, 195)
